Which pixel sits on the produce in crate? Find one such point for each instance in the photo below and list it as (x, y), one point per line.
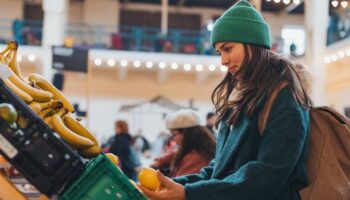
(49, 104)
(113, 158)
(8, 113)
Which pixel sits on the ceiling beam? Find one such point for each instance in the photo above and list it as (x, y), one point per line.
(290, 7)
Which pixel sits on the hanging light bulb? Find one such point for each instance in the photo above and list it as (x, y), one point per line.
(296, 2)
(335, 3)
(286, 2)
(277, 1)
(344, 4)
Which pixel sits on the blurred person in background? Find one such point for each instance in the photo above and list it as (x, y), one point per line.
(210, 124)
(195, 145)
(122, 147)
(141, 144)
(250, 165)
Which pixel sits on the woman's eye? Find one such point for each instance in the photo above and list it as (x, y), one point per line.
(228, 49)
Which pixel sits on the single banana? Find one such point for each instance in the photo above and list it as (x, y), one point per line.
(38, 106)
(46, 113)
(72, 138)
(47, 121)
(77, 127)
(3, 53)
(13, 64)
(35, 106)
(47, 86)
(7, 56)
(90, 152)
(23, 95)
(38, 95)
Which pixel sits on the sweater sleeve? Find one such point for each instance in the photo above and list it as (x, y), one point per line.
(204, 174)
(264, 178)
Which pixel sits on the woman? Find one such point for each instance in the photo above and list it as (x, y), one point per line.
(247, 165)
(196, 145)
(121, 146)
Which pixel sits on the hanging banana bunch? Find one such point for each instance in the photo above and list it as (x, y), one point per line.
(53, 107)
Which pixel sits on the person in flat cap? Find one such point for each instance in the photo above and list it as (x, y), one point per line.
(249, 164)
(196, 145)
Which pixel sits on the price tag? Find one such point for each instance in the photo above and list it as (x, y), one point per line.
(4, 71)
(7, 147)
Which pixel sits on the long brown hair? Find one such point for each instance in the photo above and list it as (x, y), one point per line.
(257, 76)
(196, 138)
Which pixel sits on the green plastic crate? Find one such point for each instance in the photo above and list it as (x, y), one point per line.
(102, 180)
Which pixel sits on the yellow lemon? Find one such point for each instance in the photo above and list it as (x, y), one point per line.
(148, 178)
(113, 158)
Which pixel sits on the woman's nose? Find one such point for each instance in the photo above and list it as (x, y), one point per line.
(224, 60)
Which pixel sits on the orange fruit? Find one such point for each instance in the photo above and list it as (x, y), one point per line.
(113, 158)
(148, 178)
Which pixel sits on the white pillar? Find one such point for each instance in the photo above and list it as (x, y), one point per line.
(316, 14)
(165, 12)
(55, 18)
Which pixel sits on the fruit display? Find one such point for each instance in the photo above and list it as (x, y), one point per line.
(148, 178)
(49, 104)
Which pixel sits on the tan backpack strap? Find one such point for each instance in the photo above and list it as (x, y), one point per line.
(264, 115)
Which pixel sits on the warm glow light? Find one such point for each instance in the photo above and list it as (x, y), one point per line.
(137, 63)
(111, 62)
(212, 68)
(296, 2)
(31, 58)
(174, 66)
(335, 3)
(223, 68)
(124, 63)
(199, 67)
(187, 67)
(344, 4)
(98, 61)
(149, 64)
(334, 57)
(19, 58)
(162, 65)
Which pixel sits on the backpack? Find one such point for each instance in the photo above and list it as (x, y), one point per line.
(328, 157)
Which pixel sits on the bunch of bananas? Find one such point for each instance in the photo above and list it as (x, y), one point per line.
(49, 104)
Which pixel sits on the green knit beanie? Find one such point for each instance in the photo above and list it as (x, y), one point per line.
(241, 23)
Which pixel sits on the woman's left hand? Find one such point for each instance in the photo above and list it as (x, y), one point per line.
(170, 190)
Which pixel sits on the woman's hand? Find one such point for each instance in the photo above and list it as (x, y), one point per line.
(169, 191)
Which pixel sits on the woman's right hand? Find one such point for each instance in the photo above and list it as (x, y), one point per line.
(170, 190)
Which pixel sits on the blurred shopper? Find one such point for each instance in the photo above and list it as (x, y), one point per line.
(210, 124)
(140, 143)
(250, 165)
(122, 147)
(196, 146)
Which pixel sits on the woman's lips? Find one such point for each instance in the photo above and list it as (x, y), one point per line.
(232, 69)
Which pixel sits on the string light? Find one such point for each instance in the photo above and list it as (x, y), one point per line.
(342, 3)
